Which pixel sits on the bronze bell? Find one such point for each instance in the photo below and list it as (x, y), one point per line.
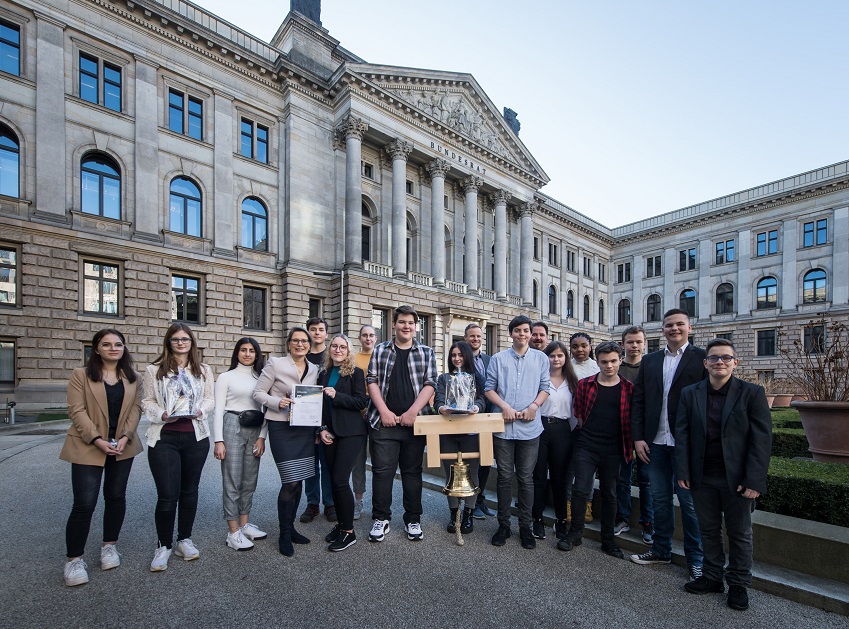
(459, 484)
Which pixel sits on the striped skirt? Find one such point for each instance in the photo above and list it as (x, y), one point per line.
(293, 449)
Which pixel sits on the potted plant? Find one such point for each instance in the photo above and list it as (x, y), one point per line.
(818, 367)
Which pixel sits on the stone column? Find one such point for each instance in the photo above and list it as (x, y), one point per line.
(743, 296)
(352, 129)
(224, 231)
(459, 253)
(789, 296)
(470, 187)
(147, 202)
(526, 277)
(638, 310)
(500, 279)
(514, 253)
(487, 247)
(840, 258)
(281, 224)
(669, 262)
(706, 299)
(50, 157)
(437, 169)
(399, 150)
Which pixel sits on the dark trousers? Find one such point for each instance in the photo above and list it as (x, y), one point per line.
(713, 500)
(516, 458)
(85, 482)
(623, 493)
(318, 487)
(460, 443)
(555, 450)
(176, 463)
(586, 464)
(391, 448)
(483, 477)
(341, 456)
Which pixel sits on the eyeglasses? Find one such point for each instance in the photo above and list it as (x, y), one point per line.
(338, 348)
(726, 358)
(178, 341)
(299, 342)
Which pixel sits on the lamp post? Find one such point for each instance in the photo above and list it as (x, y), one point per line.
(341, 275)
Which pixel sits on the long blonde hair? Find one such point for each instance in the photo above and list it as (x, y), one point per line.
(347, 366)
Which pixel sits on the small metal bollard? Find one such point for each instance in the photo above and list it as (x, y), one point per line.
(10, 412)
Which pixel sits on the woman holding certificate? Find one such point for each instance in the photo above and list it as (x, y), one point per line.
(460, 391)
(178, 397)
(343, 433)
(292, 446)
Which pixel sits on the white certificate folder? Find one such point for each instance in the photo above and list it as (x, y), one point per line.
(306, 409)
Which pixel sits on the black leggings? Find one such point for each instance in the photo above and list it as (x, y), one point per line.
(555, 452)
(176, 462)
(341, 456)
(85, 482)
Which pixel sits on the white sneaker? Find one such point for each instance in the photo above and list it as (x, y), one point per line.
(160, 559)
(252, 532)
(76, 572)
(109, 557)
(414, 531)
(358, 509)
(186, 549)
(237, 541)
(378, 530)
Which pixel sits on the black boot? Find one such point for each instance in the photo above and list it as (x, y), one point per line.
(297, 538)
(452, 523)
(467, 526)
(286, 515)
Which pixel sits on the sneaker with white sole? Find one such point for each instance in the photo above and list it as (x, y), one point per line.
(160, 559)
(358, 509)
(186, 549)
(76, 572)
(621, 527)
(253, 533)
(378, 530)
(237, 541)
(109, 557)
(649, 558)
(414, 531)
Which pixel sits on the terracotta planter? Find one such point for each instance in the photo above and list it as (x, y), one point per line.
(826, 426)
(782, 399)
(798, 397)
(771, 400)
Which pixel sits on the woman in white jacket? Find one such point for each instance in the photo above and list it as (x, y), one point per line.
(178, 398)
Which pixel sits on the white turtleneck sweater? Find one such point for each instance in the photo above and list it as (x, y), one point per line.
(234, 392)
(584, 369)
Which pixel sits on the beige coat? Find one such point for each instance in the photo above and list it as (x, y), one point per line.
(89, 414)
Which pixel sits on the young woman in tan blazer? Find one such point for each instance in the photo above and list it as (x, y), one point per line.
(104, 404)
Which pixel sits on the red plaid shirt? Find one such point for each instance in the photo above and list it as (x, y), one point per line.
(584, 399)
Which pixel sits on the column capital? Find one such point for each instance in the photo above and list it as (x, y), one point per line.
(527, 209)
(500, 196)
(471, 184)
(438, 168)
(352, 127)
(399, 149)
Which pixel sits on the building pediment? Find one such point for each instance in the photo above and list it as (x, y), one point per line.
(455, 103)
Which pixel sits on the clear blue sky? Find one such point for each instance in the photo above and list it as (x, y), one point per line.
(632, 108)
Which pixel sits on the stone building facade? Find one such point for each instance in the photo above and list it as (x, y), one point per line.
(158, 163)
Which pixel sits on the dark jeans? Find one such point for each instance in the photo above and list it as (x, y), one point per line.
(176, 462)
(555, 450)
(460, 443)
(713, 499)
(318, 487)
(85, 482)
(393, 447)
(341, 456)
(623, 493)
(586, 464)
(483, 477)
(515, 458)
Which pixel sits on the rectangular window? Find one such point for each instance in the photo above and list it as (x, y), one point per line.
(687, 259)
(536, 248)
(652, 345)
(767, 243)
(815, 233)
(813, 339)
(10, 48)
(175, 111)
(409, 187)
(368, 173)
(765, 376)
(724, 251)
(653, 267)
(445, 201)
(570, 261)
(623, 272)
(423, 330)
(7, 361)
(602, 273)
(100, 292)
(552, 254)
(379, 321)
(246, 147)
(9, 276)
(185, 114)
(728, 336)
(185, 298)
(766, 342)
(195, 118)
(253, 141)
(588, 267)
(106, 92)
(491, 335)
(314, 306)
(254, 307)
(89, 78)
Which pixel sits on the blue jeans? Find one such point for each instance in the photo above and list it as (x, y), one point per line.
(623, 493)
(322, 476)
(662, 481)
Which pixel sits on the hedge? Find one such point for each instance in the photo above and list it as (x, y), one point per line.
(790, 443)
(808, 490)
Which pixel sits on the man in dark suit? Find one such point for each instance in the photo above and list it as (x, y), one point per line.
(662, 376)
(724, 437)
(473, 335)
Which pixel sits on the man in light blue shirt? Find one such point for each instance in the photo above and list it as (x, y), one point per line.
(517, 382)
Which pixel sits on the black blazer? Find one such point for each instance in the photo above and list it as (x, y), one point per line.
(648, 390)
(342, 414)
(746, 435)
(488, 407)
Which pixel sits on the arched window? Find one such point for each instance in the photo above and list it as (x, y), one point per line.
(100, 186)
(767, 293)
(623, 315)
(653, 308)
(724, 299)
(535, 301)
(254, 224)
(552, 299)
(10, 163)
(687, 301)
(600, 311)
(586, 307)
(366, 233)
(570, 304)
(813, 287)
(186, 207)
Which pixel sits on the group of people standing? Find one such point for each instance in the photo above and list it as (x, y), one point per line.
(569, 411)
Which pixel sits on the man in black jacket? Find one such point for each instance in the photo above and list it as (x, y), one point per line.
(724, 437)
(473, 335)
(662, 376)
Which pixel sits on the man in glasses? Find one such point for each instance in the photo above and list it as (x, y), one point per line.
(724, 437)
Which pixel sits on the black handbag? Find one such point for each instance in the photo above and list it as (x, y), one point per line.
(251, 418)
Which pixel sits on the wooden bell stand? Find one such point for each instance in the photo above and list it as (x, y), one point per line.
(484, 424)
